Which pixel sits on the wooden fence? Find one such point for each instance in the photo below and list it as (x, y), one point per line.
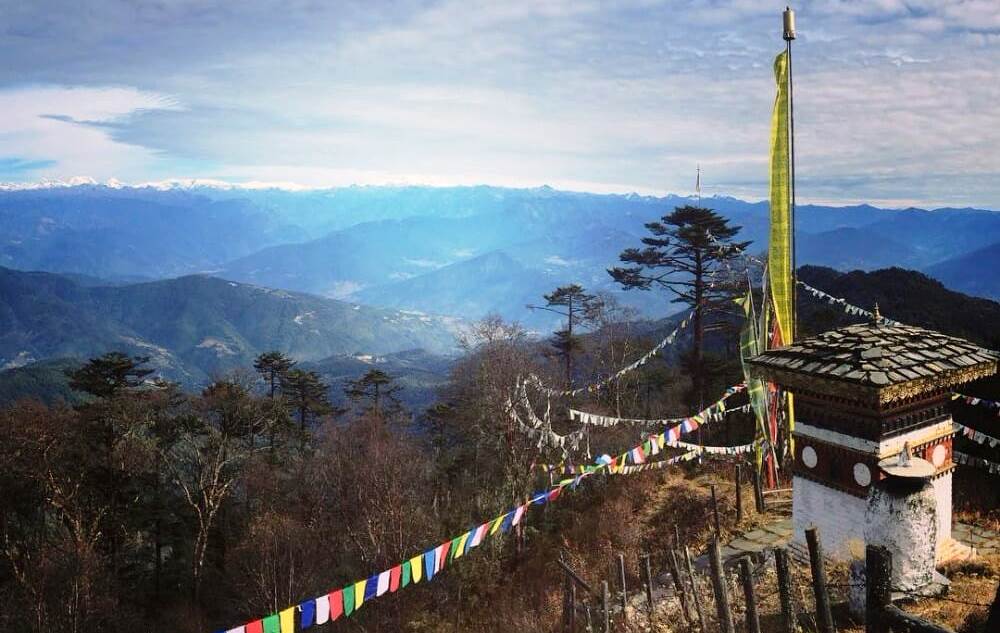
(607, 607)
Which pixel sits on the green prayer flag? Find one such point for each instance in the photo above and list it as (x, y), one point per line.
(272, 624)
(405, 579)
(349, 599)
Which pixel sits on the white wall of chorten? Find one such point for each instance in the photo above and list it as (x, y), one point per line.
(839, 515)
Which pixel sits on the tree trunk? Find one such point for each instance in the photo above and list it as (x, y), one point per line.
(569, 344)
(699, 331)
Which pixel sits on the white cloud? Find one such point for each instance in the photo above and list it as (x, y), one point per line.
(64, 125)
(894, 98)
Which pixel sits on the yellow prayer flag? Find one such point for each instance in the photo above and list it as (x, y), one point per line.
(287, 619)
(779, 256)
(416, 568)
(496, 523)
(359, 594)
(460, 547)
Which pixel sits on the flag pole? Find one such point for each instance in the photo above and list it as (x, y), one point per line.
(788, 21)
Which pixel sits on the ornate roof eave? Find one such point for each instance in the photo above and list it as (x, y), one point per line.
(795, 380)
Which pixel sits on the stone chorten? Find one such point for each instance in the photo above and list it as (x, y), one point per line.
(862, 394)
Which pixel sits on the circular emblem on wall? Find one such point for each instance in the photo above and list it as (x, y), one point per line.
(862, 475)
(938, 455)
(809, 456)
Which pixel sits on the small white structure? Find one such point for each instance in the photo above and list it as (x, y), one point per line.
(863, 395)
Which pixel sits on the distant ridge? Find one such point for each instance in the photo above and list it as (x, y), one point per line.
(196, 327)
(975, 273)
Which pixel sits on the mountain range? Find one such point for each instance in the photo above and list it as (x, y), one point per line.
(195, 327)
(456, 251)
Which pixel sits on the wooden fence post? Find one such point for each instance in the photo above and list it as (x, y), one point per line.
(758, 494)
(567, 605)
(649, 582)
(721, 592)
(694, 591)
(749, 595)
(715, 513)
(785, 589)
(878, 587)
(675, 573)
(572, 605)
(621, 576)
(993, 619)
(739, 493)
(824, 617)
(605, 602)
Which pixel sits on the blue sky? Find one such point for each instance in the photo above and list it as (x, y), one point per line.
(897, 102)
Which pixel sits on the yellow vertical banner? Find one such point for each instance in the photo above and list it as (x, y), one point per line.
(779, 256)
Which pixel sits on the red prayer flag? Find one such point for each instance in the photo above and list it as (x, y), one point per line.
(394, 578)
(257, 626)
(443, 555)
(336, 604)
(554, 494)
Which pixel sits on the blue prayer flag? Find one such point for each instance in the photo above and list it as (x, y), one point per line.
(430, 557)
(308, 609)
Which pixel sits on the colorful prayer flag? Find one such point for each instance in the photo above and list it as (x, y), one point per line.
(335, 600)
(287, 620)
(359, 593)
(405, 574)
(348, 599)
(322, 609)
(371, 588)
(394, 575)
(257, 626)
(496, 524)
(383, 583)
(459, 548)
(272, 624)
(308, 609)
(416, 567)
(430, 562)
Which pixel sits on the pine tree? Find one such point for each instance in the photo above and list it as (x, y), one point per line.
(306, 393)
(687, 251)
(109, 375)
(273, 366)
(576, 305)
(374, 387)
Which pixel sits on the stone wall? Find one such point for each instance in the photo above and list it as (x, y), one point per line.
(839, 516)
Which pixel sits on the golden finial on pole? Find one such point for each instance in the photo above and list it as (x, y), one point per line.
(789, 23)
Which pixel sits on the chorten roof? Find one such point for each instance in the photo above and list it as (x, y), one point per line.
(875, 361)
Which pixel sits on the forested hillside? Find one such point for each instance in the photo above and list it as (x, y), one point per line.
(194, 328)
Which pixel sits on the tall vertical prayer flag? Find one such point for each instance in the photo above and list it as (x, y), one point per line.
(779, 256)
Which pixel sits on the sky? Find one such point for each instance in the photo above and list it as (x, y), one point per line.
(897, 102)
